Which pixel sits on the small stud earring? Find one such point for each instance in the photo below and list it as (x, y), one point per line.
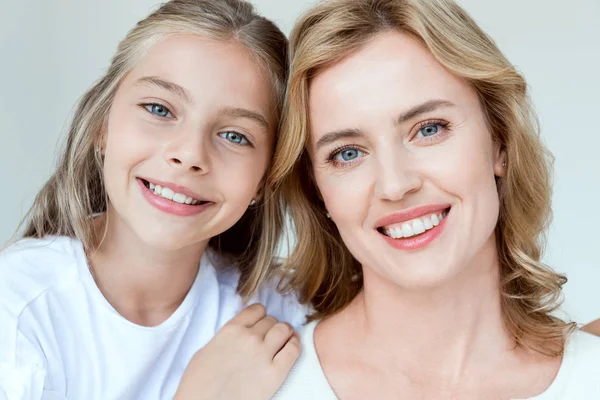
(504, 164)
(328, 215)
(252, 202)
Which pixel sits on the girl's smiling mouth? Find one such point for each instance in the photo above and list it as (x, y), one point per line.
(173, 199)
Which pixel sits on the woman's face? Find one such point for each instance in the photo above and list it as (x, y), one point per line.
(189, 138)
(405, 163)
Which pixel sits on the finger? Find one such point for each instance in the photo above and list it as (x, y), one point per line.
(250, 315)
(277, 337)
(262, 327)
(287, 356)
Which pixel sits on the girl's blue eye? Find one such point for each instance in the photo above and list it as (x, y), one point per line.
(234, 137)
(348, 155)
(158, 110)
(429, 130)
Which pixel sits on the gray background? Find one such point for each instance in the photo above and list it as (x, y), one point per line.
(52, 50)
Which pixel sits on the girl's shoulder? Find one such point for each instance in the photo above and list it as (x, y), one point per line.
(30, 267)
(33, 250)
(285, 306)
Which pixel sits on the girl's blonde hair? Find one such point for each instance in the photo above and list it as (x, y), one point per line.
(321, 268)
(75, 191)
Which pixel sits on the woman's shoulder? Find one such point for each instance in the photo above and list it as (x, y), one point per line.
(29, 267)
(583, 349)
(306, 378)
(581, 366)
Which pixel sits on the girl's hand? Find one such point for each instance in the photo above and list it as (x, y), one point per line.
(249, 358)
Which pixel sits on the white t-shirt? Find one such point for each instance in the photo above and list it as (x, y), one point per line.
(578, 377)
(61, 339)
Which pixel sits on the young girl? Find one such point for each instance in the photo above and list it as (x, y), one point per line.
(420, 190)
(157, 226)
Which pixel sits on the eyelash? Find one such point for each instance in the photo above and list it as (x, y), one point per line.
(148, 108)
(445, 125)
(331, 159)
(244, 137)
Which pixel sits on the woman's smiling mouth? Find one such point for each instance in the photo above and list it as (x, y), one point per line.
(415, 226)
(414, 229)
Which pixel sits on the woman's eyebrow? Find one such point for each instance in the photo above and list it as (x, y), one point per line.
(331, 137)
(428, 106)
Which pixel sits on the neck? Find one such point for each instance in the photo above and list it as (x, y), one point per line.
(143, 282)
(449, 330)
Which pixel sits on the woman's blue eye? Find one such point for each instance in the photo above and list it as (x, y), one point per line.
(158, 110)
(429, 130)
(234, 137)
(348, 155)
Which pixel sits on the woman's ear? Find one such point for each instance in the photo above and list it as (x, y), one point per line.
(500, 162)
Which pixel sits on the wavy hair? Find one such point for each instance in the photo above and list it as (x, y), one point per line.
(321, 268)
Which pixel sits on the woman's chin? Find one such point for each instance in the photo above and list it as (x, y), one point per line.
(415, 277)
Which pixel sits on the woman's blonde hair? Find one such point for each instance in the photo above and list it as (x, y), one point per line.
(75, 191)
(321, 268)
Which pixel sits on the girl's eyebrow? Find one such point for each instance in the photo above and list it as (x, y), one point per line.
(164, 84)
(238, 112)
(235, 112)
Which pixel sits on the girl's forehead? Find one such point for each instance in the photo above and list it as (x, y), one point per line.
(205, 72)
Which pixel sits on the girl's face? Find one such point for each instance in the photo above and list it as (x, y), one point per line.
(189, 138)
(405, 163)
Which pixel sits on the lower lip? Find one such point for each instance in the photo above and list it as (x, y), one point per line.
(419, 241)
(171, 207)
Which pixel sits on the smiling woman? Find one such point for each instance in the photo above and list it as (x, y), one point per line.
(157, 226)
(420, 192)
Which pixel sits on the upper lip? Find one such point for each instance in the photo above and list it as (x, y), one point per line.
(412, 213)
(177, 189)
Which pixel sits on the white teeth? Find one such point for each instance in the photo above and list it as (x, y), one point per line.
(414, 227)
(418, 226)
(179, 198)
(167, 193)
(397, 233)
(407, 230)
(171, 195)
(428, 223)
